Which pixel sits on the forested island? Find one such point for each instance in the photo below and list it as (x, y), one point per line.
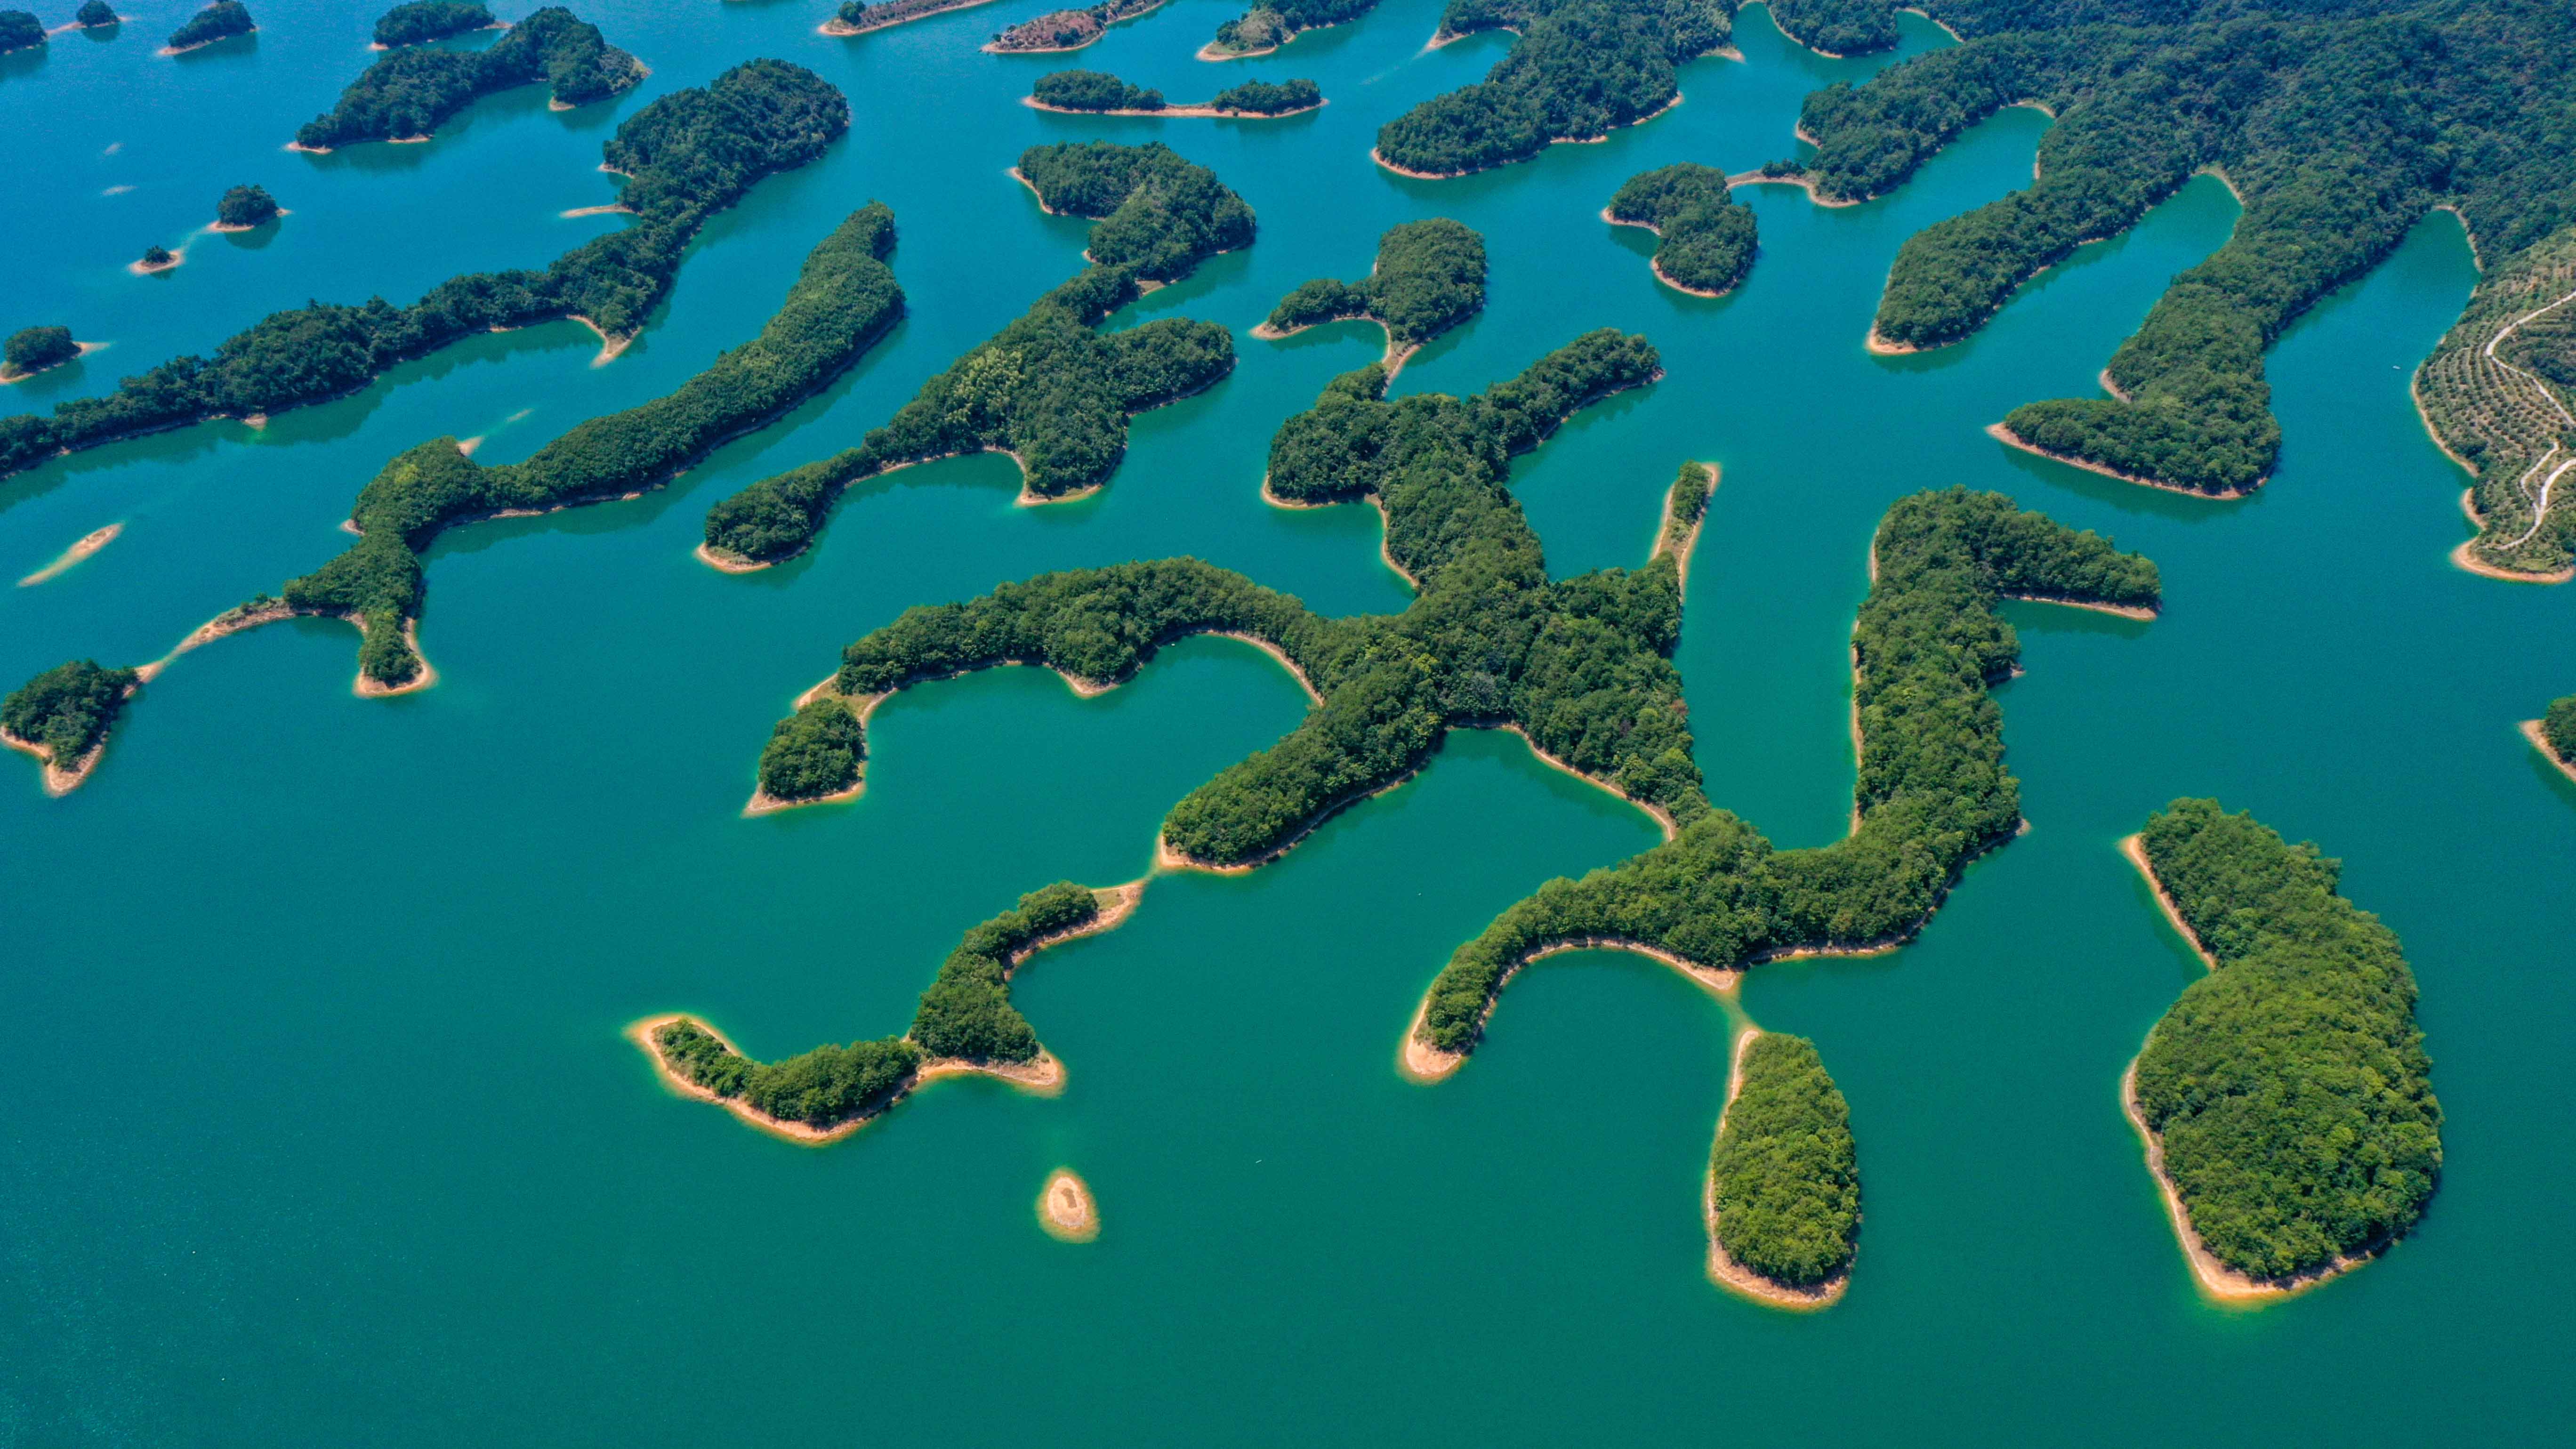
(1429, 277)
(96, 15)
(965, 1023)
(219, 21)
(33, 349)
(409, 94)
(2554, 733)
(1050, 389)
(20, 29)
(1266, 27)
(62, 717)
(1707, 238)
(687, 156)
(244, 207)
(422, 21)
(1099, 93)
(1580, 70)
(1783, 1182)
(2325, 127)
(857, 17)
(1068, 29)
(2286, 1098)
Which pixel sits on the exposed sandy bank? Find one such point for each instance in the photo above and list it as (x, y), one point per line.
(1066, 1208)
(90, 543)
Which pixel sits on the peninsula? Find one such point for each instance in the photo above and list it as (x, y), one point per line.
(1579, 70)
(407, 95)
(857, 17)
(2316, 136)
(965, 1026)
(418, 22)
(1429, 277)
(687, 156)
(2285, 1100)
(1706, 238)
(1050, 389)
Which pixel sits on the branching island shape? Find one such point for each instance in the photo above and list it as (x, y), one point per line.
(1429, 277)
(410, 93)
(1706, 239)
(1050, 390)
(2286, 1099)
(2323, 128)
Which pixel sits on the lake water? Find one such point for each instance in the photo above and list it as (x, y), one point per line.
(319, 1127)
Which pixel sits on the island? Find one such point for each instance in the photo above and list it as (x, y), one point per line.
(62, 717)
(219, 21)
(2285, 1100)
(20, 29)
(30, 350)
(1580, 70)
(1051, 390)
(1429, 277)
(966, 1025)
(1068, 29)
(421, 21)
(1066, 1209)
(687, 156)
(245, 207)
(1706, 238)
(1838, 28)
(2554, 735)
(1098, 93)
(96, 15)
(2331, 180)
(1783, 1200)
(857, 17)
(1268, 26)
(1579, 667)
(407, 95)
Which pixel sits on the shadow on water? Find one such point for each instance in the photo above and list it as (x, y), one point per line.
(257, 239)
(2130, 498)
(19, 64)
(2033, 618)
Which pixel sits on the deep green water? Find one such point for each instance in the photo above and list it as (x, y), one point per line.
(318, 1126)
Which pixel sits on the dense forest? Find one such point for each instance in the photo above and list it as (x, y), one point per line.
(2339, 131)
(216, 21)
(95, 15)
(1581, 666)
(1271, 25)
(843, 299)
(421, 21)
(2289, 1086)
(2558, 727)
(20, 29)
(1782, 1178)
(33, 349)
(1051, 389)
(410, 93)
(1581, 69)
(966, 1015)
(1837, 27)
(688, 155)
(1932, 794)
(1708, 237)
(1092, 90)
(245, 206)
(1429, 277)
(66, 710)
(1270, 98)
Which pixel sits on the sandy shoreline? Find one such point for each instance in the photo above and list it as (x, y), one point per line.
(8, 378)
(1723, 1270)
(1803, 182)
(1680, 543)
(1066, 1208)
(59, 781)
(2125, 611)
(609, 346)
(89, 543)
(2465, 556)
(2009, 438)
(1655, 264)
(2216, 1279)
(1881, 347)
(1392, 359)
(2531, 731)
(178, 255)
(236, 621)
(1419, 1061)
(609, 209)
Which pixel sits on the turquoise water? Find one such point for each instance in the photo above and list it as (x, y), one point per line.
(319, 1126)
